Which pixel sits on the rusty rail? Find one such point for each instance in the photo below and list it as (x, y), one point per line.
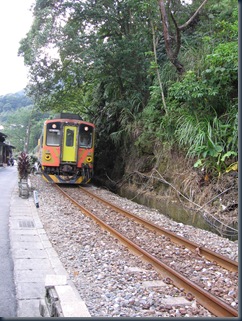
(227, 263)
(209, 301)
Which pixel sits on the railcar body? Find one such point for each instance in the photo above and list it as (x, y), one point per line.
(66, 150)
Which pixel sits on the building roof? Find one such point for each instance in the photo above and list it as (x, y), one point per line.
(2, 139)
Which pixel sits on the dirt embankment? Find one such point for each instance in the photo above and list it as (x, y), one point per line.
(171, 178)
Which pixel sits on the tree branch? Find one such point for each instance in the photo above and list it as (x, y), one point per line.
(192, 17)
(173, 54)
(205, 213)
(157, 68)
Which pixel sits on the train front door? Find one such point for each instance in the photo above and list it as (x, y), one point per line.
(69, 151)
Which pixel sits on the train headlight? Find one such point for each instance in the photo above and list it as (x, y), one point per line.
(47, 157)
(89, 159)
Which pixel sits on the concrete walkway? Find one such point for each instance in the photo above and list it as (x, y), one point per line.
(36, 261)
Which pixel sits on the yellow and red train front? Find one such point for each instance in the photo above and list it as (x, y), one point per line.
(67, 151)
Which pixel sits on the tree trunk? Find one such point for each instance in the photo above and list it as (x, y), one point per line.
(173, 54)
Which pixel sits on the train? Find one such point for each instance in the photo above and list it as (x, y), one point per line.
(66, 150)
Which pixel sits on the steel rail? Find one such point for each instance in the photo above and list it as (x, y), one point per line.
(206, 299)
(217, 258)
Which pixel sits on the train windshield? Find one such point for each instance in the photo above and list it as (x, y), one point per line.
(85, 136)
(53, 134)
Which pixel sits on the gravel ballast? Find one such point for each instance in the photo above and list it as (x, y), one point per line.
(111, 280)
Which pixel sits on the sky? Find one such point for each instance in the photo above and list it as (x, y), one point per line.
(15, 22)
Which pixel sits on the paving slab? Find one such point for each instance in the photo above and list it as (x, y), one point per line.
(27, 264)
(35, 290)
(34, 238)
(28, 308)
(29, 253)
(28, 245)
(70, 304)
(26, 232)
(28, 276)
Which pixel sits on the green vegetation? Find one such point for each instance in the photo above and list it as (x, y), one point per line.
(24, 166)
(147, 73)
(12, 102)
(21, 122)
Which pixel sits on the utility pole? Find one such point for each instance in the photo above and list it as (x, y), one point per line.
(26, 144)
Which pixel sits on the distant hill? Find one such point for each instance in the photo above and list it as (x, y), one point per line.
(12, 102)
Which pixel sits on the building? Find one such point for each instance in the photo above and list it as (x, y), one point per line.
(6, 150)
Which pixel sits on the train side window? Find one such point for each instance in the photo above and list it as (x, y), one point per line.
(69, 137)
(53, 134)
(85, 136)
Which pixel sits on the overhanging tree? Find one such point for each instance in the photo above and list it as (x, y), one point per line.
(173, 39)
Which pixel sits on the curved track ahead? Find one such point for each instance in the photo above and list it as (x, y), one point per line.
(209, 301)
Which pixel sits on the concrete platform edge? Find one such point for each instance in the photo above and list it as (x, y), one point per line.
(35, 261)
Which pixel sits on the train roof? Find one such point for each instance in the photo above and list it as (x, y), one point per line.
(68, 116)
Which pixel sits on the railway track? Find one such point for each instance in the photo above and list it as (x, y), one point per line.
(181, 249)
